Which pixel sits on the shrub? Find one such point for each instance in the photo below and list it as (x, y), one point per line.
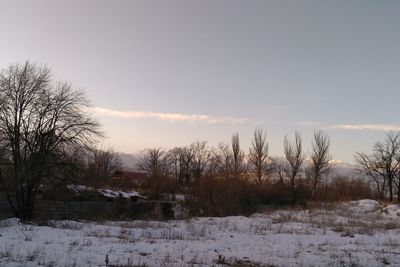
(344, 188)
(221, 197)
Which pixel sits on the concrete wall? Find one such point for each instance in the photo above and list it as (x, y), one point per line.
(102, 209)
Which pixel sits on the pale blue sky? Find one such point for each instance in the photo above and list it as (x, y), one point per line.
(280, 65)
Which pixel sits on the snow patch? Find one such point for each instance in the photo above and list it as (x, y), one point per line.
(365, 205)
(104, 192)
(117, 193)
(392, 210)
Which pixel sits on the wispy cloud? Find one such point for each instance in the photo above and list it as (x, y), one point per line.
(373, 127)
(352, 127)
(171, 117)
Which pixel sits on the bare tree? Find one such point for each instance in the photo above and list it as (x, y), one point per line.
(231, 159)
(155, 162)
(223, 160)
(294, 157)
(214, 163)
(279, 168)
(258, 155)
(174, 162)
(368, 166)
(101, 165)
(238, 164)
(320, 159)
(201, 158)
(182, 158)
(39, 119)
(382, 166)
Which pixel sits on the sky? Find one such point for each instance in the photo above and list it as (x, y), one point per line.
(167, 73)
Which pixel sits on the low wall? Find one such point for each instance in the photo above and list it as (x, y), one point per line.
(103, 209)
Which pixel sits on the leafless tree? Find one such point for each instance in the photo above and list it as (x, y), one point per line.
(231, 159)
(294, 157)
(319, 159)
(258, 155)
(201, 158)
(155, 162)
(183, 162)
(367, 165)
(383, 165)
(39, 119)
(238, 163)
(193, 162)
(214, 163)
(223, 160)
(174, 162)
(279, 168)
(101, 165)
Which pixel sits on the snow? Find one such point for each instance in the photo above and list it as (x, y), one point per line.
(105, 192)
(392, 210)
(117, 193)
(365, 205)
(77, 188)
(357, 233)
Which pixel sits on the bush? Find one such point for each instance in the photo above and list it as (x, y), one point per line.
(221, 197)
(344, 188)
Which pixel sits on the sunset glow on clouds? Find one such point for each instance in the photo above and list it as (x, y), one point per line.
(208, 119)
(353, 127)
(374, 127)
(171, 117)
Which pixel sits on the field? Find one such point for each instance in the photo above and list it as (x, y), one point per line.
(358, 233)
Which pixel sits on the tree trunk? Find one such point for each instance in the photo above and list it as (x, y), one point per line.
(314, 189)
(390, 190)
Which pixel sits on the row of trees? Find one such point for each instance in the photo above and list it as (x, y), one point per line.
(380, 169)
(191, 163)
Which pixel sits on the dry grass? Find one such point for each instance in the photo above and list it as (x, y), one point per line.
(336, 216)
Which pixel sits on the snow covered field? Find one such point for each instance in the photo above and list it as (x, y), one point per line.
(360, 233)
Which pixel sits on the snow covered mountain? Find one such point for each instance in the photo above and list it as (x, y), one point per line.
(341, 168)
(129, 161)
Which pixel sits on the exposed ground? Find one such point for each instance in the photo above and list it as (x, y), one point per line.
(361, 233)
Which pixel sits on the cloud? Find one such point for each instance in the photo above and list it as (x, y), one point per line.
(373, 127)
(171, 117)
(309, 123)
(353, 127)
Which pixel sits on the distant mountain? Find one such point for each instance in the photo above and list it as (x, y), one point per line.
(129, 161)
(341, 168)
